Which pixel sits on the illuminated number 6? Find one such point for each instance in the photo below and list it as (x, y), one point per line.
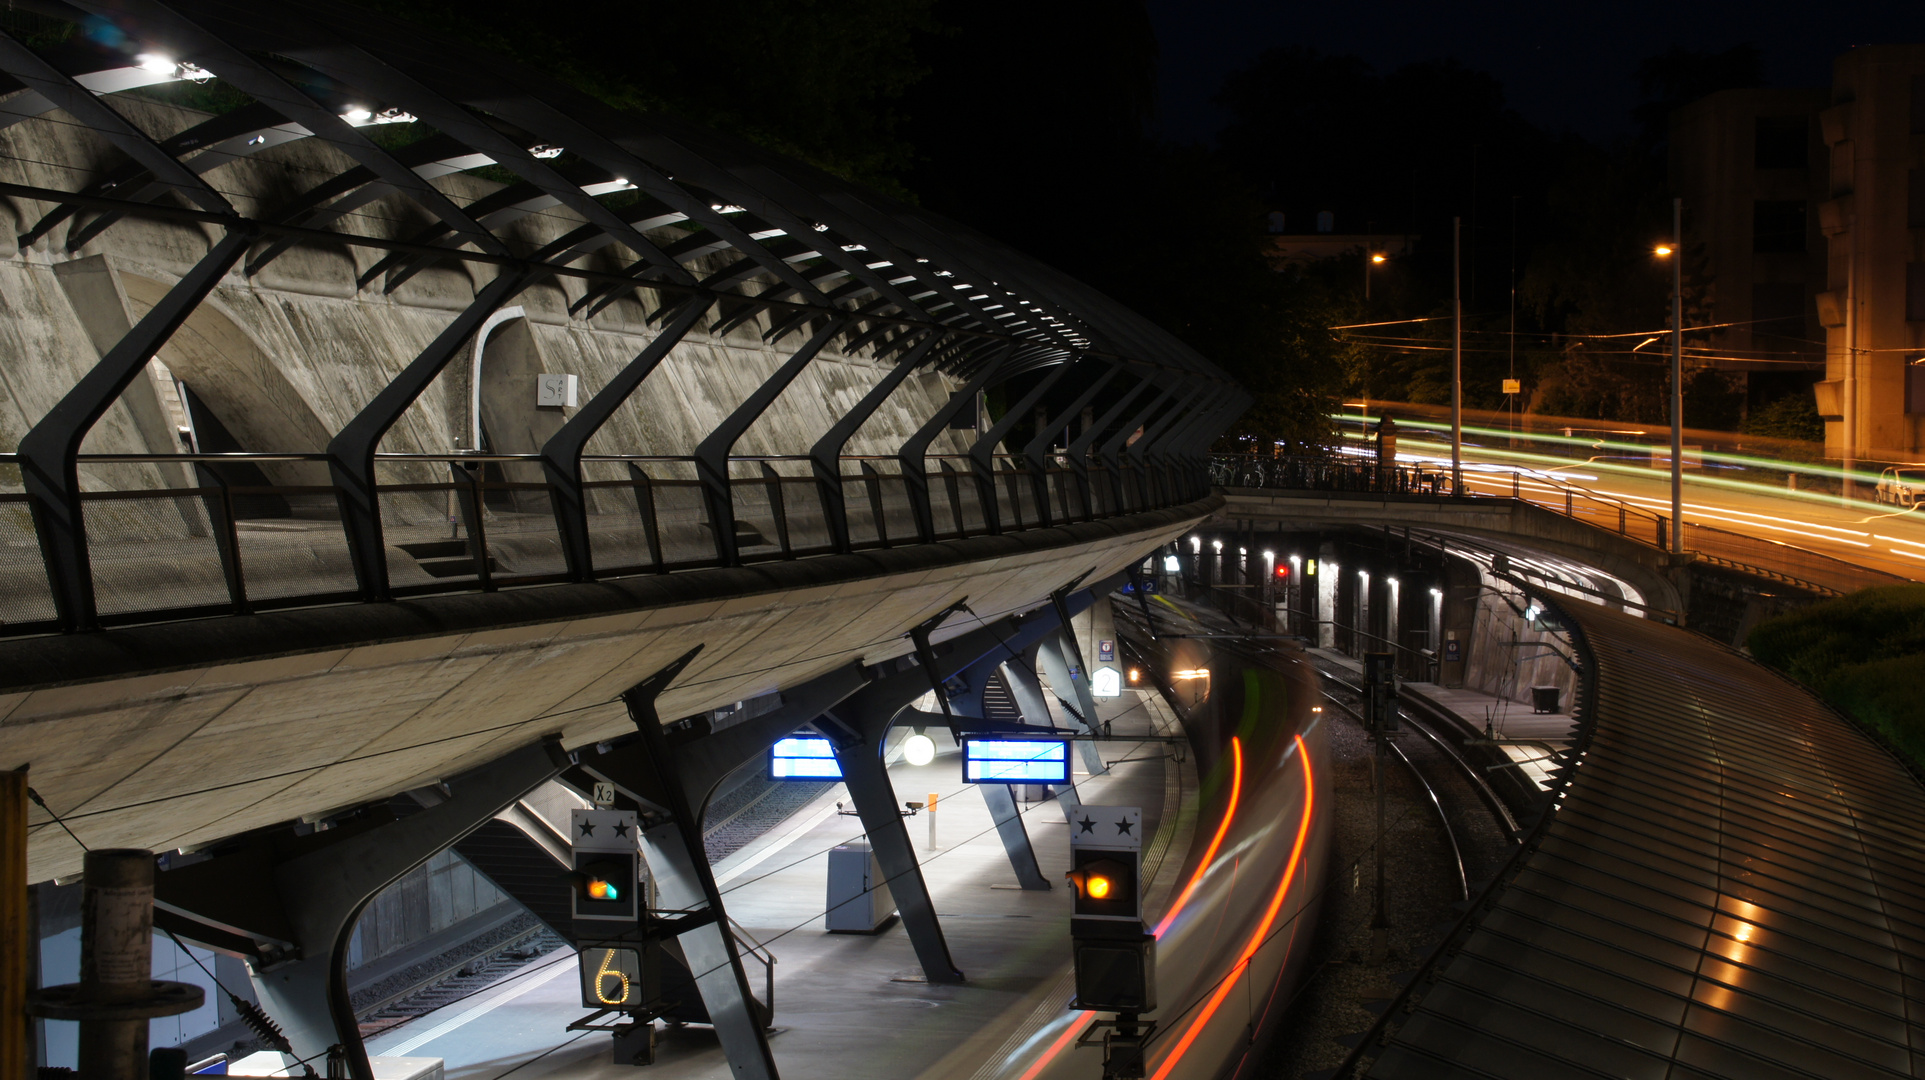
(606, 973)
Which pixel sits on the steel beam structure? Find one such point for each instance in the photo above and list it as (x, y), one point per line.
(289, 902)
(704, 225)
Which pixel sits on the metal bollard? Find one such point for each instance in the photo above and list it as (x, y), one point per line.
(117, 994)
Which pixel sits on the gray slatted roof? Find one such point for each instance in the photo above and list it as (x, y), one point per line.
(1732, 884)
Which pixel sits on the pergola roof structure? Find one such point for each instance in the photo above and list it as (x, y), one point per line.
(670, 200)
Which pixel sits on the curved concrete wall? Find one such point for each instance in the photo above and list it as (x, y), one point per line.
(288, 356)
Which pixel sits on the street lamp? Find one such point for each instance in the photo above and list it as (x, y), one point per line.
(1672, 251)
(1376, 259)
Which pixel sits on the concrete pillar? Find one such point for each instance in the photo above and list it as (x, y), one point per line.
(1327, 614)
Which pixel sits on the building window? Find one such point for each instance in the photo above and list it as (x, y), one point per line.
(1778, 315)
(1782, 142)
(1777, 226)
(1915, 292)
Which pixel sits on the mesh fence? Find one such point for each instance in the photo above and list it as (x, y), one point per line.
(687, 538)
(861, 500)
(757, 530)
(152, 551)
(304, 555)
(518, 521)
(808, 526)
(424, 538)
(25, 596)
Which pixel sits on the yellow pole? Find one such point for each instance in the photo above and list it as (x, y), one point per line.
(13, 925)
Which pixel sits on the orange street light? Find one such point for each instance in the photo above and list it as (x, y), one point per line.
(1377, 258)
(1662, 250)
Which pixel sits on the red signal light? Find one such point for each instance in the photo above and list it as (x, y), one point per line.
(1283, 571)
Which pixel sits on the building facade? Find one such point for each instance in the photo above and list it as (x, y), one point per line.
(1873, 221)
(1808, 206)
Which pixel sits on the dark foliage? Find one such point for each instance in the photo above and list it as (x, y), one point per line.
(1864, 653)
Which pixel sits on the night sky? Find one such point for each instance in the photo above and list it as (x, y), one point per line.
(1563, 64)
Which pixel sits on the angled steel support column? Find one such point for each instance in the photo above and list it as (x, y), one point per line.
(712, 454)
(1172, 446)
(1079, 448)
(307, 892)
(1000, 798)
(826, 455)
(49, 452)
(1034, 451)
(651, 772)
(1177, 415)
(1108, 452)
(351, 453)
(981, 453)
(1020, 671)
(561, 455)
(913, 455)
(858, 727)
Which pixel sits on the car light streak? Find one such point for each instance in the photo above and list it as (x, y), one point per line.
(1222, 830)
(1229, 981)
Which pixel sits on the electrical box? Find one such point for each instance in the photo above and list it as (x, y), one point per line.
(556, 391)
(859, 900)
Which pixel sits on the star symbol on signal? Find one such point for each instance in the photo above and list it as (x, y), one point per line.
(621, 828)
(588, 828)
(1123, 827)
(1088, 824)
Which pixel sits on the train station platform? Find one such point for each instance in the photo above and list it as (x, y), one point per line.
(1530, 739)
(853, 1005)
(1725, 883)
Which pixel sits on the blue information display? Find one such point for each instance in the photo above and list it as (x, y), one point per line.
(988, 760)
(803, 757)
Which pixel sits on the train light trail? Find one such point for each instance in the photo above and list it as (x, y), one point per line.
(1262, 933)
(1216, 842)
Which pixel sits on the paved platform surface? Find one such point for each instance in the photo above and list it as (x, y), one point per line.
(854, 1006)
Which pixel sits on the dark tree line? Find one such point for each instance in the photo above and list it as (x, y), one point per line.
(1030, 122)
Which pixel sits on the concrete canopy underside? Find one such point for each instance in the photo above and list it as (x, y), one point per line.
(170, 736)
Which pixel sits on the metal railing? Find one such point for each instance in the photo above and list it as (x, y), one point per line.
(1786, 563)
(170, 536)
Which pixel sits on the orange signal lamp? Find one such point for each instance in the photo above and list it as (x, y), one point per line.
(600, 889)
(1098, 887)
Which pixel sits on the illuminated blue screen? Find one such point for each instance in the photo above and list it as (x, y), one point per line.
(1015, 761)
(803, 757)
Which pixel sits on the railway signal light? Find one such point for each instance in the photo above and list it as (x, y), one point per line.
(604, 885)
(1105, 884)
(1115, 957)
(1283, 571)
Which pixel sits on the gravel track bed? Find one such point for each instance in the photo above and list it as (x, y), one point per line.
(1421, 891)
